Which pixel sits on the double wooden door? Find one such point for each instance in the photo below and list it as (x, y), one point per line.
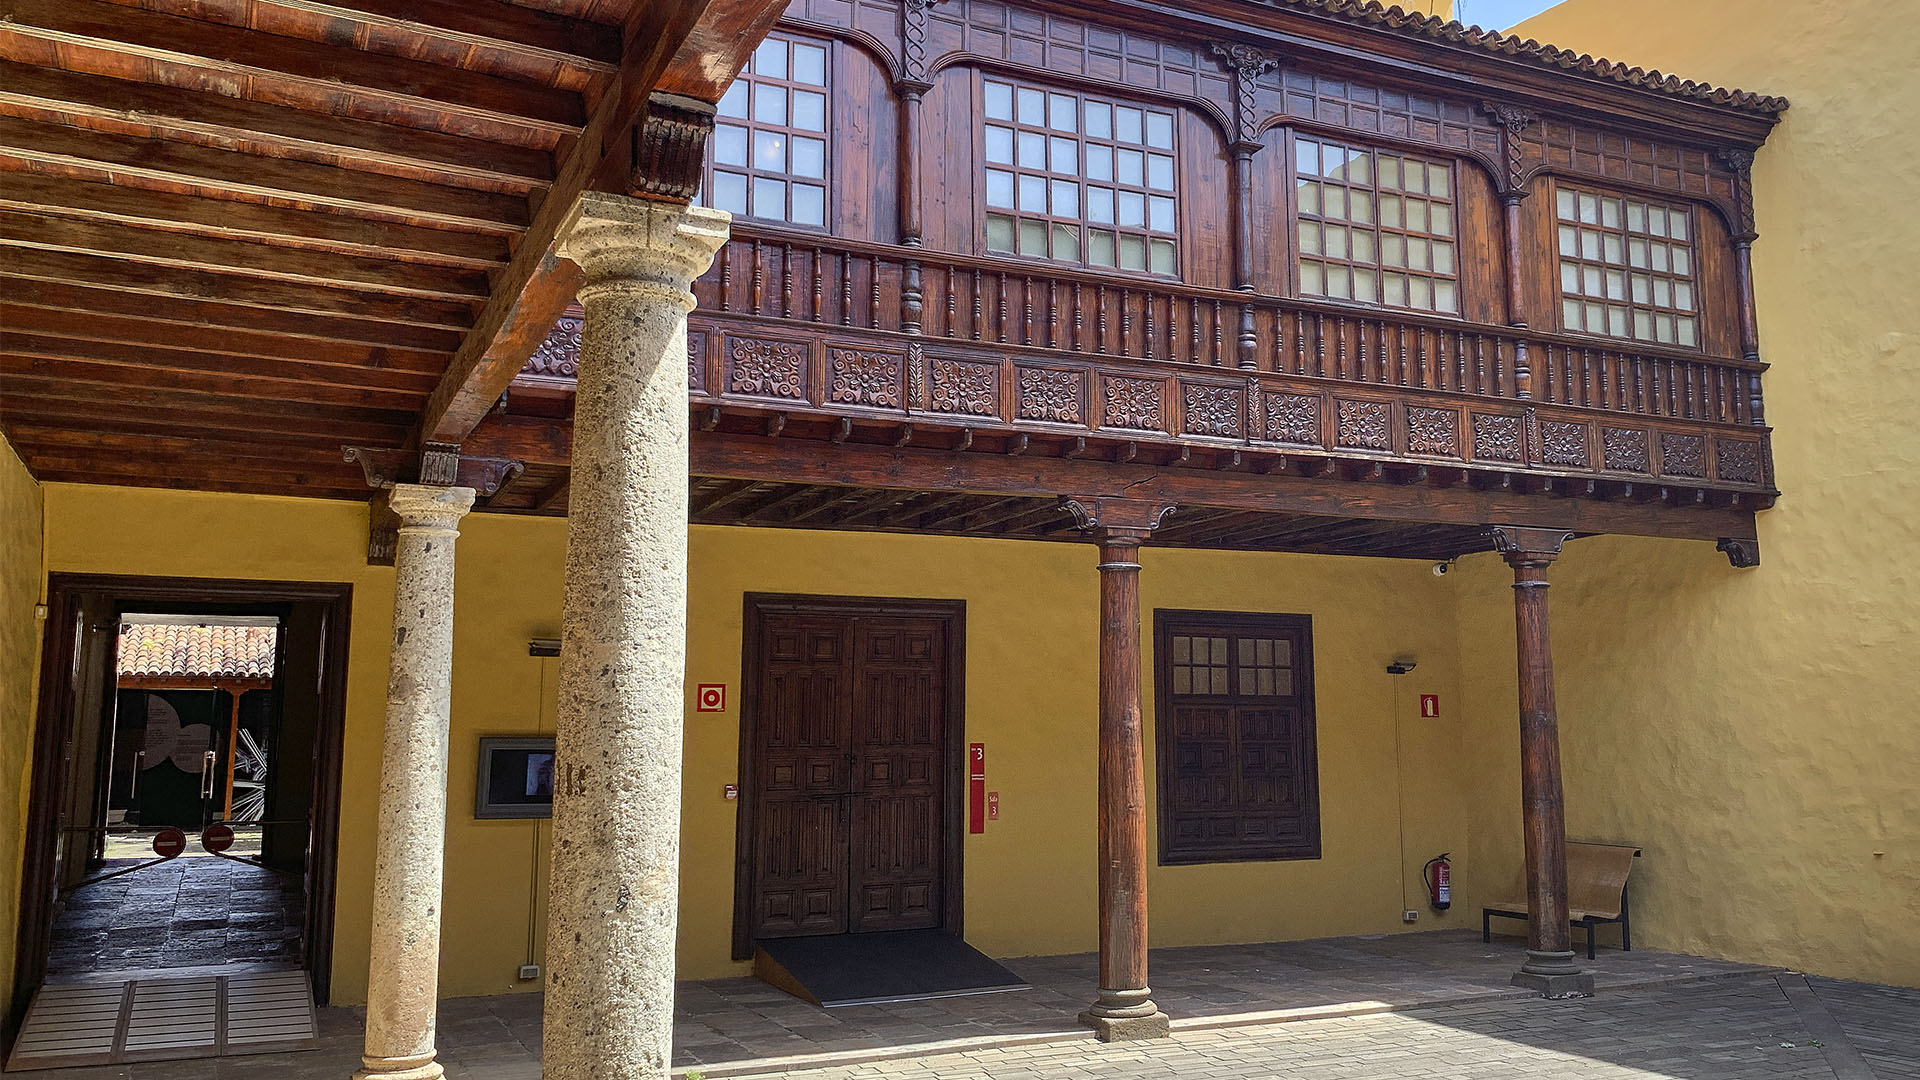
(849, 773)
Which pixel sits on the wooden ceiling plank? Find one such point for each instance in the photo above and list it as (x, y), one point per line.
(20, 358)
(537, 285)
(263, 424)
(245, 447)
(256, 222)
(196, 467)
(102, 37)
(238, 341)
(211, 119)
(246, 177)
(488, 34)
(45, 380)
(157, 308)
(239, 368)
(172, 281)
(93, 476)
(319, 269)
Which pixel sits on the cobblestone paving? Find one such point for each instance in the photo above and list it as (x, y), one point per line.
(191, 912)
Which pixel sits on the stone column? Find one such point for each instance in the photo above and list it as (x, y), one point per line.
(1124, 1008)
(403, 978)
(616, 806)
(1549, 968)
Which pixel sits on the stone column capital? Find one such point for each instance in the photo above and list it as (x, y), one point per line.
(425, 506)
(625, 244)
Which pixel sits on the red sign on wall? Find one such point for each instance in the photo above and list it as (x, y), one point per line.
(1429, 706)
(710, 697)
(977, 788)
(993, 806)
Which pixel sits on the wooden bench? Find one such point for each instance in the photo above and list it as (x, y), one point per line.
(1596, 892)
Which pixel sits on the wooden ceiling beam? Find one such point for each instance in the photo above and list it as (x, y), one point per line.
(112, 468)
(81, 154)
(117, 329)
(258, 223)
(111, 39)
(124, 107)
(193, 311)
(311, 268)
(213, 445)
(715, 37)
(94, 475)
(111, 273)
(482, 28)
(24, 406)
(239, 371)
(22, 356)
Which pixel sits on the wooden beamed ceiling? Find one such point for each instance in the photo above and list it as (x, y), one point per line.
(238, 234)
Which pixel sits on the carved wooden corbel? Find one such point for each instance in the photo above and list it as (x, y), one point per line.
(1108, 515)
(383, 531)
(1246, 65)
(442, 465)
(1742, 553)
(1513, 121)
(670, 147)
(1528, 546)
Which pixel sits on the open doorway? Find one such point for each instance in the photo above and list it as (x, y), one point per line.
(184, 805)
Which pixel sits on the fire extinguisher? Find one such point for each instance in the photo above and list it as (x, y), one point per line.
(1439, 877)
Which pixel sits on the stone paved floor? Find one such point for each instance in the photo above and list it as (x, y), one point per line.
(190, 912)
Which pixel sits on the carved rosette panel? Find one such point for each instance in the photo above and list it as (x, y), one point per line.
(1214, 410)
(1433, 431)
(1132, 403)
(696, 361)
(864, 377)
(558, 354)
(1049, 394)
(1624, 449)
(1563, 444)
(1293, 418)
(1362, 425)
(1496, 437)
(1739, 461)
(1683, 455)
(959, 386)
(766, 368)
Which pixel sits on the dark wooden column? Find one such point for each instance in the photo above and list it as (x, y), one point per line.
(1124, 1008)
(1549, 967)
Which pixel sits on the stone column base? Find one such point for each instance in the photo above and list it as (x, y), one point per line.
(1154, 1025)
(1573, 984)
(400, 1069)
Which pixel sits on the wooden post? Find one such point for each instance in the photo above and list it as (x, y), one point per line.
(233, 745)
(1549, 967)
(1124, 1008)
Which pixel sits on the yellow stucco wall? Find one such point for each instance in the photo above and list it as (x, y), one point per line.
(1757, 729)
(20, 592)
(1031, 664)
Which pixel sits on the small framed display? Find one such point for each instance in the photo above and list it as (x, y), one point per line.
(515, 778)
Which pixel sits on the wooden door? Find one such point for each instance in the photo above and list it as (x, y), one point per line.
(849, 774)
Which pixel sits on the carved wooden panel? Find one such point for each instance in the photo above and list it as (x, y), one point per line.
(1739, 460)
(1133, 403)
(696, 361)
(1496, 437)
(767, 367)
(1433, 431)
(1337, 101)
(1362, 425)
(1293, 418)
(559, 352)
(1683, 455)
(963, 387)
(869, 377)
(1624, 449)
(1214, 410)
(1563, 444)
(1063, 45)
(1583, 151)
(1050, 394)
(898, 742)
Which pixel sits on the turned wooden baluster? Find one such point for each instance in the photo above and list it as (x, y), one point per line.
(726, 278)
(978, 317)
(1100, 319)
(953, 311)
(819, 288)
(786, 281)
(759, 279)
(846, 290)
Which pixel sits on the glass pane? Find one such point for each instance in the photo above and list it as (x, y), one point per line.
(1000, 188)
(1310, 237)
(809, 157)
(1589, 243)
(1133, 253)
(1440, 220)
(1642, 289)
(770, 59)
(1100, 163)
(1389, 172)
(1309, 196)
(1686, 331)
(1643, 326)
(1366, 284)
(1099, 120)
(1390, 211)
(770, 151)
(1064, 156)
(1682, 261)
(770, 104)
(1417, 250)
(1569, 242)
(999, 101)
(1570, 314)
(1066, 242)
(1563, 203)
(1393, 250)
(809, 64)
(1336, 240)
(1099, 247)
(769, 198)
(1662, 292)
(1100, 205)
(1416, 215)
(1683, 296)
(1446, 297)
(1066, 200)
(1663, 328)
(1360, 207)
(809, 204)
(1306, 157)
(1160, 214)
(1419, 293)
(1063, 113)
(734, 101)
(1359, 168)
(1362, 243)
(1033, 107)
(1393, 289)
(1438, 181)
(1033, 150)
(809, 110)
(1677, 220)
(1610, 213)
(1416, 177)
(1130, 167)
(1589, 209)
(729, 144)
(999, 145)
(1617, 321)
(1338, 284)
(1442, 258)
(1637, 217)
(730, 192)
(999, 232)
(1133, 210)
(1637, 253)
(1612, 252)
(1659, 252)
(1333, 204)
(1616, 285)
(1656, 221)
(1126, 125)
(1160, 172)
(1161, 253)
(1033, 238)
(1160, 130)
(1033, 194)
(1312, 278)
(1569, 278)
(1183, 680)
(1590, 280)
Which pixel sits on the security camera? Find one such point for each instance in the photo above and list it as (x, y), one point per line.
(1442, 569)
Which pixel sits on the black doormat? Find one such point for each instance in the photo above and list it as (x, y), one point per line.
(868, 969)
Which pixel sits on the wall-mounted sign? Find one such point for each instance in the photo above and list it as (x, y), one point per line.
(977, 788)
(710, 697)
(169, 842)
(730, 792)
(1429, 706)
(217, 837)
(515, 778)
(993, 806)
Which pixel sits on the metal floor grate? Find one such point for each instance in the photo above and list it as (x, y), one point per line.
(155, 1019)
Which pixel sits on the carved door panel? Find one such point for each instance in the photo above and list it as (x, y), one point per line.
(898, 709)
(803, 729)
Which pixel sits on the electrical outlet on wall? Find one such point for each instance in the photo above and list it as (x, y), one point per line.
(1409, 915)
(529, 972)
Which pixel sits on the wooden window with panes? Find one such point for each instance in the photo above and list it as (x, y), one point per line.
(1375, 226)
(1078, 178)
(1235, 727)
(769, 147)
(1626, 267)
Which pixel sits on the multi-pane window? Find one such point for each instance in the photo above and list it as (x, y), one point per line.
(1626, 268)
(1236, 737)
(1079, 179)
(1375, 226)
(770, 136)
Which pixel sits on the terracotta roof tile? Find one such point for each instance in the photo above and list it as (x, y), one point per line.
(164, 649)
(1393, 19)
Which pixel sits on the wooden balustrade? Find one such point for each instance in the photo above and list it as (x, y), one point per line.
(999, 301)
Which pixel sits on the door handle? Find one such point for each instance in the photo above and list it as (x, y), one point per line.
(207, 762)
(139, 766)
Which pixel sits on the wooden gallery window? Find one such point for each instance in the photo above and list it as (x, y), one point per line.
(769, 157)
(1375, 226)
(1626, 267)
(1079, 179)
(1234, 722)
